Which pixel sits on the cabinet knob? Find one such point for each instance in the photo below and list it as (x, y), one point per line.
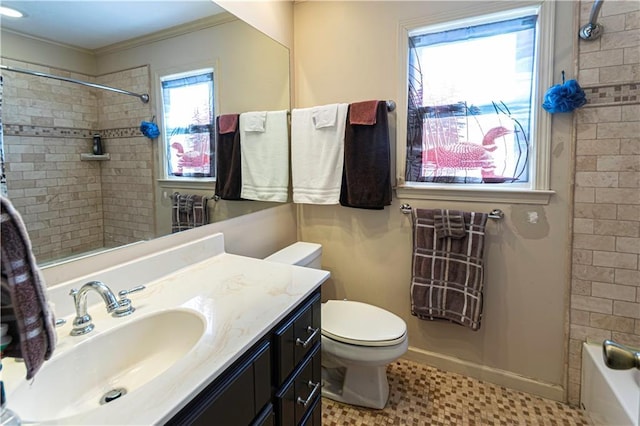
(305, 343)
(312, 395)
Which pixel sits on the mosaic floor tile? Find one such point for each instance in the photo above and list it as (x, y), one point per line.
(424, 395)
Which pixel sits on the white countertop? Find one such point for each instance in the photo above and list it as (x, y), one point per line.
(240, 299)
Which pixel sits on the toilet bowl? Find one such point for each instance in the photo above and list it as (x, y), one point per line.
(358, 340)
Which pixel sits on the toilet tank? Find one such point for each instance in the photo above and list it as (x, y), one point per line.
(300, 253)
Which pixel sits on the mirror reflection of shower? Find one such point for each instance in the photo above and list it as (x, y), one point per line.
(592, 30)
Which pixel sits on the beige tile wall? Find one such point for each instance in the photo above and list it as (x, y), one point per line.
(605, 288)
(71, 206)
(127, 179)
(46, 129)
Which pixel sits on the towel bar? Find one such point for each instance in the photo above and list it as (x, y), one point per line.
(493, 214)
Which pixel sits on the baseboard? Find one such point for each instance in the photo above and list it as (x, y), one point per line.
(489, 374)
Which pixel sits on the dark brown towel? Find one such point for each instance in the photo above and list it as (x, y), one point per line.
(366, 176)
(449, 224)
(189, 211)
(363, 113)
(447, 273)
(228, 160)
(227, 123)
(24, 299)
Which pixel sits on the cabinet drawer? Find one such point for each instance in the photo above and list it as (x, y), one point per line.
(297, 399)
(294, 339)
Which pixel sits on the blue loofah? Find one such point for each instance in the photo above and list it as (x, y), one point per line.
(564, 97)
(149, 129)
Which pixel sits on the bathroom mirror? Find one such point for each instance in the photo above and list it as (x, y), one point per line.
(252, 74)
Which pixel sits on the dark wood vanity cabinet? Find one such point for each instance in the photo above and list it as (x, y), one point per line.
(276, 382)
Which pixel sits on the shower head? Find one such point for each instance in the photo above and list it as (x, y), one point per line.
(620, 357)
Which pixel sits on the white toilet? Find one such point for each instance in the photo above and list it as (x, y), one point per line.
(358, 340)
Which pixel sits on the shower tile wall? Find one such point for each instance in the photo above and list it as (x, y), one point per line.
(605, 287)
(48, 124)
(127, 179)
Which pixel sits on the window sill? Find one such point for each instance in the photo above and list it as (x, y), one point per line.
(478, 194)
(188, 183)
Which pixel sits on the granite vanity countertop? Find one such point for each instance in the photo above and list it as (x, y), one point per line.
(240, 299)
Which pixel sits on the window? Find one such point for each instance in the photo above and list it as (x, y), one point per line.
(473, 104)
(188, 124)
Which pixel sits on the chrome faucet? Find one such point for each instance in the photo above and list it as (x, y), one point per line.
(620, 357)
(82, 323)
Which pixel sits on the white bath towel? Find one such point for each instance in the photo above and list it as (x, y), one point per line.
(317, 153)
(265, 157)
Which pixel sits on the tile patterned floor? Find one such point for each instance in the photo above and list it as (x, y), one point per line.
(423, 395)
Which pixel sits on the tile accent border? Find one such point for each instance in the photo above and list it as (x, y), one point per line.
(52, 132)
(612, 94)
(66, 132)
(124, 132)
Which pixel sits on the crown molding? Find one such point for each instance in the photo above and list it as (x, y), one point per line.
(200, 24)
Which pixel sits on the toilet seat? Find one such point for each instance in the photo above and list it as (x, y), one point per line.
(361, 324)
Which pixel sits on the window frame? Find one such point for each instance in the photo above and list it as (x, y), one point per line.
(537, 190)
(185, 182)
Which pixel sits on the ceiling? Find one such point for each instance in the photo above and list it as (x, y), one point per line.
(92, 24)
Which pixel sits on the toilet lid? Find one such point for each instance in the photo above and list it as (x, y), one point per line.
(361, 324)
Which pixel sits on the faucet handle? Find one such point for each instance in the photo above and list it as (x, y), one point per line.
(125, 307)
(123, 293)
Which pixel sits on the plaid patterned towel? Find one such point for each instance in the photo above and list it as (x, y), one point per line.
(188, 211)
(447, 273)
(24, 299)
(449, 223)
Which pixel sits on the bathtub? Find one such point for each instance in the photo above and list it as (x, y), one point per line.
(610, 397)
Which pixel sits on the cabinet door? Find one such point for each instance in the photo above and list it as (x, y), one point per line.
(262, 379)
(232, 407)
(236, 397)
